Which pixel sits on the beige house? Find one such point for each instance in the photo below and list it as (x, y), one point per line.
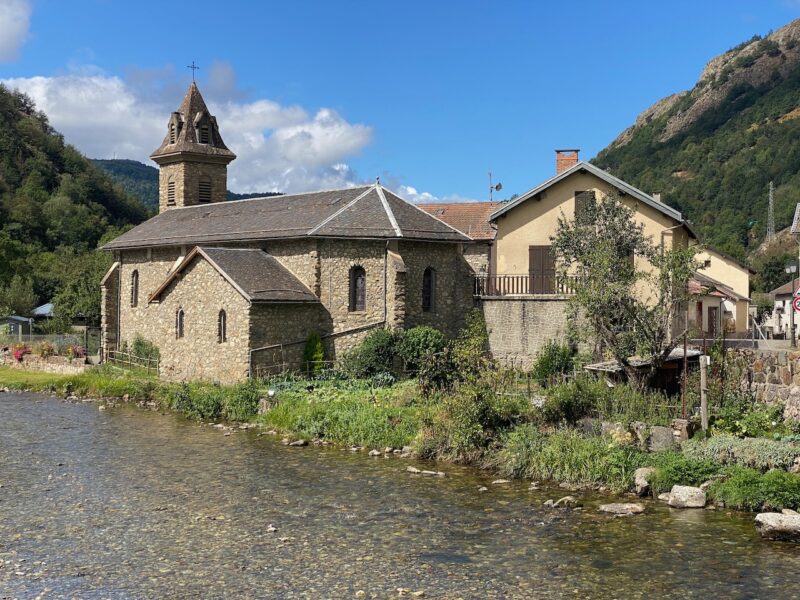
(232, 289)
(525, 303)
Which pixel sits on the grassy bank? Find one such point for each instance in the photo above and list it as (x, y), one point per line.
(471, 425)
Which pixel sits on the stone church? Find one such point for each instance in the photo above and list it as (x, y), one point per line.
(229, 289)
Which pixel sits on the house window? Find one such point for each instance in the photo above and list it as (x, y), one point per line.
(222, 327)
(179, 318)
(205, 134)
(583, 200)
(429, 290)
(358, 289)
(135, 288)
(170, 192)
(204, 194)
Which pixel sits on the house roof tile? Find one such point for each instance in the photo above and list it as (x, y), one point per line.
(470, 218)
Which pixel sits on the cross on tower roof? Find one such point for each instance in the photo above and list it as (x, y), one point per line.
(193, 67)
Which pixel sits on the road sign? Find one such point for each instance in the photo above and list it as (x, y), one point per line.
(797, 293)
(796, 304)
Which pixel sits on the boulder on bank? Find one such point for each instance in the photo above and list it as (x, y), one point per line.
(685, 496)
(778, 526)
(641, 480)
(661, 438)
(622, 508)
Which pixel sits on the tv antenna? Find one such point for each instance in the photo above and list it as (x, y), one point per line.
(493, 188)
(771, 214)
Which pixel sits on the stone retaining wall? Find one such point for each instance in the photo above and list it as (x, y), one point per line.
(59, 365)
(519, 327)
(773, 376)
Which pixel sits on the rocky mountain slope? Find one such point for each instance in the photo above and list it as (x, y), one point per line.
(711, 151)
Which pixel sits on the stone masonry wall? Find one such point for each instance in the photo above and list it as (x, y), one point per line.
(280, 331)
(453, 285)
(201, 292)
(519, 327)
(187, 183)
(478, 255)
(773, 376)
(109, 312)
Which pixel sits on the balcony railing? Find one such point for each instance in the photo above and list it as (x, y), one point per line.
(524, 285)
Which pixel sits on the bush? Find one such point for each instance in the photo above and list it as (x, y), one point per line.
(470, 351)
(757, 453)
(417, 344)
(569, 402)
(45, 349)
(467, 421)
(673, 468)
(567, 456)
(144, 348)
(553, 361)
(314, 354)
(748, 489)
(374, 355)
(437, 373)
(625, 404)
(241, 402)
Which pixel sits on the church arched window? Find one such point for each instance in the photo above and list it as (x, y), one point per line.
(135, 288)
(173, 132)
(204, 190)
(179, 323)
(429, 290)
(222, 327)
(358, 289)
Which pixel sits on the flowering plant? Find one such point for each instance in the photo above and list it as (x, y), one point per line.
(21, 351)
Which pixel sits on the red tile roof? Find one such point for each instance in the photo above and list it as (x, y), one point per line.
(471, 218)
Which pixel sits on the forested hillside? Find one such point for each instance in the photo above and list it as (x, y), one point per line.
(56, 207)
(141, 180)
(712, 151)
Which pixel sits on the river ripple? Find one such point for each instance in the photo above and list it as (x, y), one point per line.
(126, 503)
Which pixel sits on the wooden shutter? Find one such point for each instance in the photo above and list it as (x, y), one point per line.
(542, 270)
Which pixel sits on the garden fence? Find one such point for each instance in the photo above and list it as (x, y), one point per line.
(129, 361)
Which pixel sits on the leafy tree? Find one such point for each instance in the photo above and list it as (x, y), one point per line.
(629, 310)
(17, 297)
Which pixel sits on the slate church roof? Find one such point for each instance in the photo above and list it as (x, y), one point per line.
(370, 212)
(256, 275)
(191, 115)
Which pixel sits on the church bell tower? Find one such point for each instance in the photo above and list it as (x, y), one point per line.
(192, 159)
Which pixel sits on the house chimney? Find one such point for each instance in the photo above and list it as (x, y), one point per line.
(657, 196)
(566, 159)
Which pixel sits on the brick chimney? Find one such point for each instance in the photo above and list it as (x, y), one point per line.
(566, 158)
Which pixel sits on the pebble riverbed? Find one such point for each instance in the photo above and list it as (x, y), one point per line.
(128, 503)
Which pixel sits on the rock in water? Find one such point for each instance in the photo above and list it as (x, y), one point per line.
(299, 443)
(374, 452)
(622, 508)
(684, 496)
(641, 480)
(777, 526)
(566, 502)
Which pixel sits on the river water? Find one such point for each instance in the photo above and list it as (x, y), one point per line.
(126, 503)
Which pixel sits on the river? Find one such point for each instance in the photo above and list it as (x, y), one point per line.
(127, 503)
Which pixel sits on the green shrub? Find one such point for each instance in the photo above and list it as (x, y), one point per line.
(673, 468)
(144, 348)
(553, 361)
(748, 489)
(466, 421)
(567, 456)
(374, 355)
(314, 354)
(415, 345)
(470, 351)
(625, 404)
(569, 402)
(437, 373)
(757, 453)
(744, 417)
(241, 401)
(205, 401)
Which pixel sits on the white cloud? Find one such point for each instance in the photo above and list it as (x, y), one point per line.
(15, 18)
(279, 148)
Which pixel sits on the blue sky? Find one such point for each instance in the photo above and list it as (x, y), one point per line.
(427, 95)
